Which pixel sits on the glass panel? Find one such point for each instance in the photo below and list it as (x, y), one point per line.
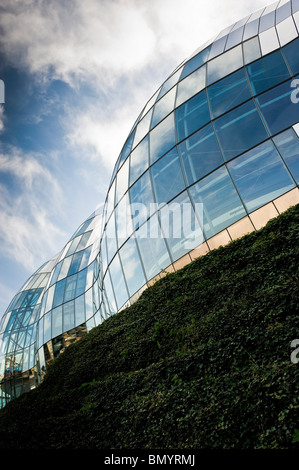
(170, 82)
(239, 130)
(139, 160)
(192, 115)
(221, 203)
(269, 41)
(251, 29)
(118, 282)
(251, 50)
(122, 181)
(267, 72)
(59, 293)
(191, 85)
(81, 280)
(234, 38)
(123, 221)
(200, 154)
(127, 148)
(278, 109)
(111, 238)
(228, 93)
(167, 177)
(162, 138)
(225, 64)
(291, 53)
(141, 196)
(47, 327)
(283, 12)
(196, 62)
(267, 21)
(65, 267)
(180, 226)
(152, 248)
(288, 145)
(79, 310)
(70, 288)
(85, 258)
(217, 47)
(109, 294)
(295, 5)
(163, 107)
(143, 127)
(132, 266)
(56, 321)
(68, 316)
(260, 176)
(75, 264)
(88, 304)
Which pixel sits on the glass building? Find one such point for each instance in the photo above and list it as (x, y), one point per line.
(213, 155)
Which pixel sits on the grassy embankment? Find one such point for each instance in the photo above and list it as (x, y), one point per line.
(201, 360)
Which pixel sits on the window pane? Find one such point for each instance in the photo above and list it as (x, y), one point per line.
(111, 237)
(239, 130)
(228, 93)
(267, 72)
(260, 176)
(123, 221)
(127, 148)
(68, 316)
(291, 53)
(167, 177)
(170, 82)
(162, 138)
(141, 196)
(252, 50)
(180, 226)
(70, 288)
(132, 266)
(278, 109)
(122, 181)
(80, 310)
(269, 41)
(225, 64)
(152, 248)
(192, 115)
(59, 293)
(163, 107)
(81, 281)
(143, 127)
(117, 280)
(288, 145)
(75, 264)
(56, 321)
(221, 203)
(195, 62)
(191, 85)
(286, 31)
(139, 160)
(200, 154)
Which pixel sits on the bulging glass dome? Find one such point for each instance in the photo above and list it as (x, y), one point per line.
(213, 155)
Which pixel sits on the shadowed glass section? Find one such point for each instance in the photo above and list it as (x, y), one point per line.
(200, 154)
(291, 53)
(260, 176)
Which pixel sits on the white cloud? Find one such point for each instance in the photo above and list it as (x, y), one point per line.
(28, 232)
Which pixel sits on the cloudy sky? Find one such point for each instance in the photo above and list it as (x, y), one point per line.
(77, 74)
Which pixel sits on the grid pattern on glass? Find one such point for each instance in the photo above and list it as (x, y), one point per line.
(216, 135)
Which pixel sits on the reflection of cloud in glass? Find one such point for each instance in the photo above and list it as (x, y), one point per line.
(138, 160)
(162, 138)
(163, 107)
(142, 128)
(191, 85)
(225, 64)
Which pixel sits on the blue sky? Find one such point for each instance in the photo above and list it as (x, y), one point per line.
(76, 75)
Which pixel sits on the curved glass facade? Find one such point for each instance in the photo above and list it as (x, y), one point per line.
(213, 155)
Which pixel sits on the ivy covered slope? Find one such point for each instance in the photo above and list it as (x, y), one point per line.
(202, 360)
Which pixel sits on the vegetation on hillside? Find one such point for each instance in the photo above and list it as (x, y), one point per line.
(201, 360)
